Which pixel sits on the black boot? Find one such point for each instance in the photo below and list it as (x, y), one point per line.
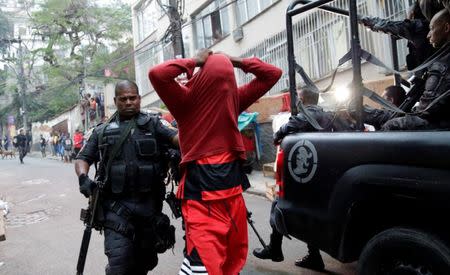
(312, 260)
(273, 250)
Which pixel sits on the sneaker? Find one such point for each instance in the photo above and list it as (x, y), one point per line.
(311, 261)
(267, 253)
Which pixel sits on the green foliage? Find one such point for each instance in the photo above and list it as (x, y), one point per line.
(77, 31)
(120, 62)
(52, 103)
(81, 40)
(5, 32)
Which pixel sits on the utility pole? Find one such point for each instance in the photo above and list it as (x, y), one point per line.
(176, 24)
(23, 87)
(21, 80)
(83, 99)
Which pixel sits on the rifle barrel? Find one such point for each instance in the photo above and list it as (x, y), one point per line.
(84, 249)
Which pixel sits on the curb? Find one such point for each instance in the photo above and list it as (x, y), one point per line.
(255, 192)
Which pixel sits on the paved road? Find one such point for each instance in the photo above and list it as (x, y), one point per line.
(44, 232)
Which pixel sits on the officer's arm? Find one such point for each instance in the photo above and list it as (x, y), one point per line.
(434, 88)
(166, 134)
(81, 167)
(175, 141)
(401, 29)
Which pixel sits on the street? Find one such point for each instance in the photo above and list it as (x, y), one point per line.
(43, 233)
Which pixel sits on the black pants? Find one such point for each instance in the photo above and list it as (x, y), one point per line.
(132, 253)
(22, 152)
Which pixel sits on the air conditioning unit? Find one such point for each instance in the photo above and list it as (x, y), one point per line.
(238, 34)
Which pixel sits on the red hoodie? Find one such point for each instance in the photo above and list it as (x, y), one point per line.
(207, 107)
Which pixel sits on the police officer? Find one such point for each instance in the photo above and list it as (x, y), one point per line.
(433, 108)
(414, 29)
(130, 144)
(299, 123)
(21, 143)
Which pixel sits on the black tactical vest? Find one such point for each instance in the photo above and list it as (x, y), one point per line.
(137, 166)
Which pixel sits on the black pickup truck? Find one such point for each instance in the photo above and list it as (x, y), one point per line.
(379, 198)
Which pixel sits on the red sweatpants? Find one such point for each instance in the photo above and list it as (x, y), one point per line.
(217, 231)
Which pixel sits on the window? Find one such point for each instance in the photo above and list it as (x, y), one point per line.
(211, 24)
(147, 19)
(247, 9)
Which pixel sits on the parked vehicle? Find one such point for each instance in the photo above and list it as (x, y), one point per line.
(379, 198)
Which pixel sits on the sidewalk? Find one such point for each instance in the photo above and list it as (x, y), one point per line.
(258, 183)
(257, 179)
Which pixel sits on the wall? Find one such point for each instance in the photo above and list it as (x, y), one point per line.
(72, 116)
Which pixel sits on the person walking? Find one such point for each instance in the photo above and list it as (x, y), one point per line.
(21, 143)
(206, 109)
(129, 148)
(43, 145)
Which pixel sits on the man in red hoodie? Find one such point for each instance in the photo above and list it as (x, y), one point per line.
(206, 109)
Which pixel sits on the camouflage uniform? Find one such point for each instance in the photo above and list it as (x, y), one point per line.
(415, 31)
(436, 116)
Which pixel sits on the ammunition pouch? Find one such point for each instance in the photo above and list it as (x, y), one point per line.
(118, 175)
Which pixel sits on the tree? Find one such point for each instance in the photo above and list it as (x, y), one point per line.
(5, 32)
(76, 30)
(79, 38)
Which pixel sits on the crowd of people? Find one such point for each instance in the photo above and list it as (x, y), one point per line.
(62, 145)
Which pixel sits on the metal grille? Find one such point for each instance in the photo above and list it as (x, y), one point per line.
(322, 38)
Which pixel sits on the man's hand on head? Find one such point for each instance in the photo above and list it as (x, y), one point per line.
(236, 61)
(201, 57)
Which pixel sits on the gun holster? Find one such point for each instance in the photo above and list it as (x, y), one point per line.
(174, 204)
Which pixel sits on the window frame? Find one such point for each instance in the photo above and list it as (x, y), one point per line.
(204, 26)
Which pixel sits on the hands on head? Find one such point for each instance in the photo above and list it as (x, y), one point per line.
(203, 54)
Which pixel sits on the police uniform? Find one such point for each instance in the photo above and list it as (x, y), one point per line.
(329, 121)
(434, 115)
(415, 31)
(134, 191)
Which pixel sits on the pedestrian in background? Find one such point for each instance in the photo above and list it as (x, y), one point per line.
(68, 144)
(78, 141)
(21, 143)
(43, 145)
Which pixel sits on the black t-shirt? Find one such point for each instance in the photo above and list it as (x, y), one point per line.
(21, 141)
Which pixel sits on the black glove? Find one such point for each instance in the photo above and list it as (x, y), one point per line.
(86, 185)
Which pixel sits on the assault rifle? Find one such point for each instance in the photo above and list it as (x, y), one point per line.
(88, 216)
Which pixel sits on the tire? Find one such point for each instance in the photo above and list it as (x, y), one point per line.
(399, 251)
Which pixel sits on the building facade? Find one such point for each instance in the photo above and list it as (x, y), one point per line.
(257, 28)
(248, 28)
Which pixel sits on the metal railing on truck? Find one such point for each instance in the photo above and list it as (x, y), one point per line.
(355, 52)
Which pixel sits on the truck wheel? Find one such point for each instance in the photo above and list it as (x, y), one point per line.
(399, 251)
